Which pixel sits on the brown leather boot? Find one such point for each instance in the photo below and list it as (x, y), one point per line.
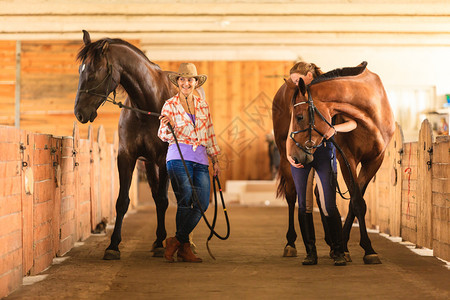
(185, 254)
(172, 244)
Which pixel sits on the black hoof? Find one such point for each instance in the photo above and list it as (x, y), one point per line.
(158, 252)
(289, 251)
(111, 255)
(371, 259)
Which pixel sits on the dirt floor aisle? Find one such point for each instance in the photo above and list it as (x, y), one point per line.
(249, 266)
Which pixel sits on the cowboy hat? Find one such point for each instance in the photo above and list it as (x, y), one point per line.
(187, 70)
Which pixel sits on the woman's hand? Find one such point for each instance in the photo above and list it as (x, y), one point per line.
(293, 163)
(330, 132)
(216, 168)
(166, 120)
(347, 126)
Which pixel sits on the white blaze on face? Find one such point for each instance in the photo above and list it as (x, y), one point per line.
(83, 67)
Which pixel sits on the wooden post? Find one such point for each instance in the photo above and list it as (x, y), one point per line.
(104, 174)
(56, 162)
(27, 143)
(394, 154)
(92, 189)
(67, 234)
(43, 203)
(441, 197)
(424, 180)
(76, 179)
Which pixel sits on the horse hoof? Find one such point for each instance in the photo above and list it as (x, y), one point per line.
(290, 251)
(111, 255)
(158, 252)
(347, 257)
(371, 259)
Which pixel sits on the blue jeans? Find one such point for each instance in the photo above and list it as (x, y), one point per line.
(188, 212)
(326, 185)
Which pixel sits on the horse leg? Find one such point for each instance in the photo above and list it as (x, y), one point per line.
(370, 256)
(350, 214)
(367, 172)
(291, 235)
(159, 188)
(126, 166)
(346, 231)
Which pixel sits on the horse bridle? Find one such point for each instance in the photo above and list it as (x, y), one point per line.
(104, 96)
(312, 110)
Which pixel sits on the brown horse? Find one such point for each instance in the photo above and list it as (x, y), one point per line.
(353, 92)
(104, 65)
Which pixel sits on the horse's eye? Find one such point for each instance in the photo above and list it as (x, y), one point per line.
(299, 118)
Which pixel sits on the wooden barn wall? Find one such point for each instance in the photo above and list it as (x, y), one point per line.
(7, 82)
(410, 195)
(47, 196)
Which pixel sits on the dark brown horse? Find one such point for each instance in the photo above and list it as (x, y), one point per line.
(105, 64)
(355, 93)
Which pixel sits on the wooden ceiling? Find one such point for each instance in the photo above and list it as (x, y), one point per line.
(190, 25)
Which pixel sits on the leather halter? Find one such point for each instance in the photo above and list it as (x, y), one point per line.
(309, 144)
(106, 94)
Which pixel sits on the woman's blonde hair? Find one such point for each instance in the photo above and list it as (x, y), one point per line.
(303, 68)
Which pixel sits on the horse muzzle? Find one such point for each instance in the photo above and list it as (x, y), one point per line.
(84, 117)
(302, 157)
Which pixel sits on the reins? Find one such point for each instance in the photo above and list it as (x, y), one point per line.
(312, 109)
(107, 98)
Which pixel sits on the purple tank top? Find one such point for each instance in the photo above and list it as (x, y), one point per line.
(199, 155)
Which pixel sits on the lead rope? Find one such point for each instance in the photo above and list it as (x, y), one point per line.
(216, 178)
(347, 164)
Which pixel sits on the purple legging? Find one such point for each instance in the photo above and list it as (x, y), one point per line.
(324, 179)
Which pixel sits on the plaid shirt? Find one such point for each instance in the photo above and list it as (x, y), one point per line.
(200, 134)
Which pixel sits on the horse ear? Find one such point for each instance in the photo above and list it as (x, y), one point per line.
(290, 84)
(86, 37)
(302, 86)
(105, 47)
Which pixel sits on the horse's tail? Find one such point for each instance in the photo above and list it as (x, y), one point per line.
(281, 189)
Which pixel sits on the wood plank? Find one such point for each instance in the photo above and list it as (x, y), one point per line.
(424, 176)
(395, 151)
(248, 7)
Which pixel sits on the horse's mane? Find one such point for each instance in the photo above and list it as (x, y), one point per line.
(91, 50)
(342, 72)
